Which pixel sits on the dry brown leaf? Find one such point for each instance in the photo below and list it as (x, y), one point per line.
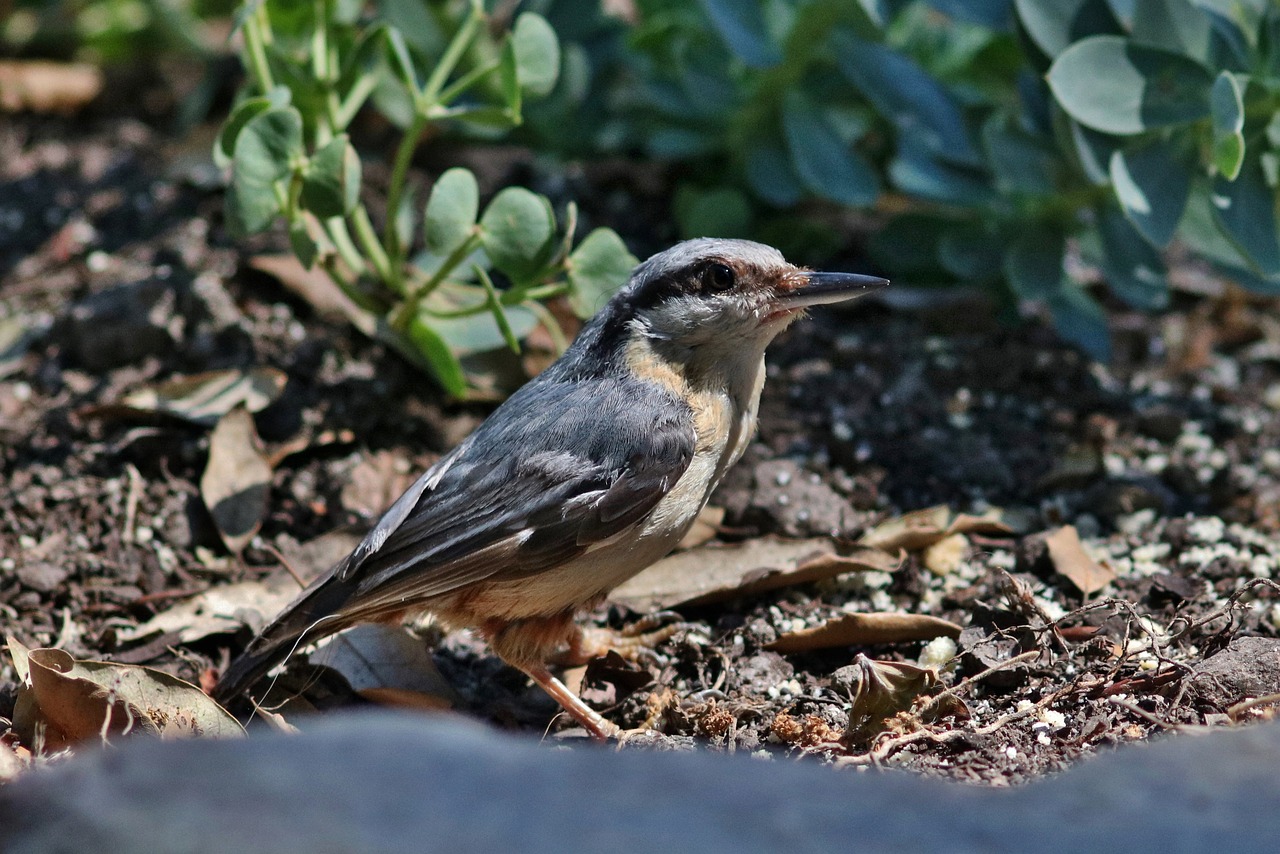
(237, 480)
(63, 701)
(1070, 559)
(376, 481)
(882, 690)
(205, 398)
(316, 288)
(714, 574)
(47, 87)
(218, 610)
(921, 529)
(704, 528)
(387, 665)
(863, 629)
(945, 556)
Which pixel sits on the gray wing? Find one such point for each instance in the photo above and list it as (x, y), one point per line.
(558, 468)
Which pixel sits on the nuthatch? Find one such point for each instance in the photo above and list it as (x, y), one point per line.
(585, 476)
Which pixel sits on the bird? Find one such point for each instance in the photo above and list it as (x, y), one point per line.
(589, 473)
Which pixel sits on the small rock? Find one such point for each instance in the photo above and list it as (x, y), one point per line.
(121, 325)
(1248, 667)
(42, 576)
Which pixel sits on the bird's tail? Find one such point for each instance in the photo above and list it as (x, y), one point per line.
(315, 614)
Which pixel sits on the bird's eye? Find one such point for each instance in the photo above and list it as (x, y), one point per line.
(718, 277)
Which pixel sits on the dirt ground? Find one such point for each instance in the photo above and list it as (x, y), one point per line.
(116, 274)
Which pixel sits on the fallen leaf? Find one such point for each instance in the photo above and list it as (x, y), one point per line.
(714, 574)
(880, 690)
(864, 629)
(387, 665)
(921, 529)
(47, 87)
(945, 556)
(237, 480)
(1071, 560)
(63, 701)
(205, 398)
(316, 288)
(219, 610)
(704, 528)
(375, 482)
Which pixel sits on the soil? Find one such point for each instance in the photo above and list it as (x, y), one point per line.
(116, 272)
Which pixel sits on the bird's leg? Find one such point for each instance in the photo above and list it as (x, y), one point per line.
(630, 641)
(599, 728)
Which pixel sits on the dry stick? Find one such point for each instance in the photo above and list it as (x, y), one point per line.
(1243, 706)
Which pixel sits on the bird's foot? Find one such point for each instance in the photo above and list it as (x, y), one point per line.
(632, 642)
(599, 728)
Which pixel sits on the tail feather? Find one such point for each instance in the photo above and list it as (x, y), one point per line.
(315, 614)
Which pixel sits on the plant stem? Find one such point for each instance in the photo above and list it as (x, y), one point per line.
(548, 321)
(336, 230)
(395, 190)
(254, 42)
(408, 310)
(465, 82)
(452, 55)
(368, 237)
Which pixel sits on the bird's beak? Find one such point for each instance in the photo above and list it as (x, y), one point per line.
(824, 288)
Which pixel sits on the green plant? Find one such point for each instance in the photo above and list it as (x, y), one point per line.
(998, 138)
(482, 276)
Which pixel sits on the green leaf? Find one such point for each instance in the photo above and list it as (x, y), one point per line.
(250, 210)
(1081, 321)
(770, 176)
(826, 165)
(451, 211)
(1054, 25)
(406, 217)
(265, 152)
(909, 245)
(437, 356)
(477, 333)
(1173, 25)
(713, 212)
(517, 229)
(1245, 210)
(509, 79)
(537, 54)
(303, 246)
(1227, 107)
(1023, 165)
(1033, 264)
(917, 172)
(331, 180)
(1093, 150)
(742, 26)
(245, 111)
(1151, 183)
(1115, 86)
(905, 94)
(1134, 269)
(269, 146)
(971, 252)
(597, 268)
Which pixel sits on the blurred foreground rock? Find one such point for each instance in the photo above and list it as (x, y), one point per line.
(389, 783)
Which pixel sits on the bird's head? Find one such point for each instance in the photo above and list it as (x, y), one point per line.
(709, 295)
